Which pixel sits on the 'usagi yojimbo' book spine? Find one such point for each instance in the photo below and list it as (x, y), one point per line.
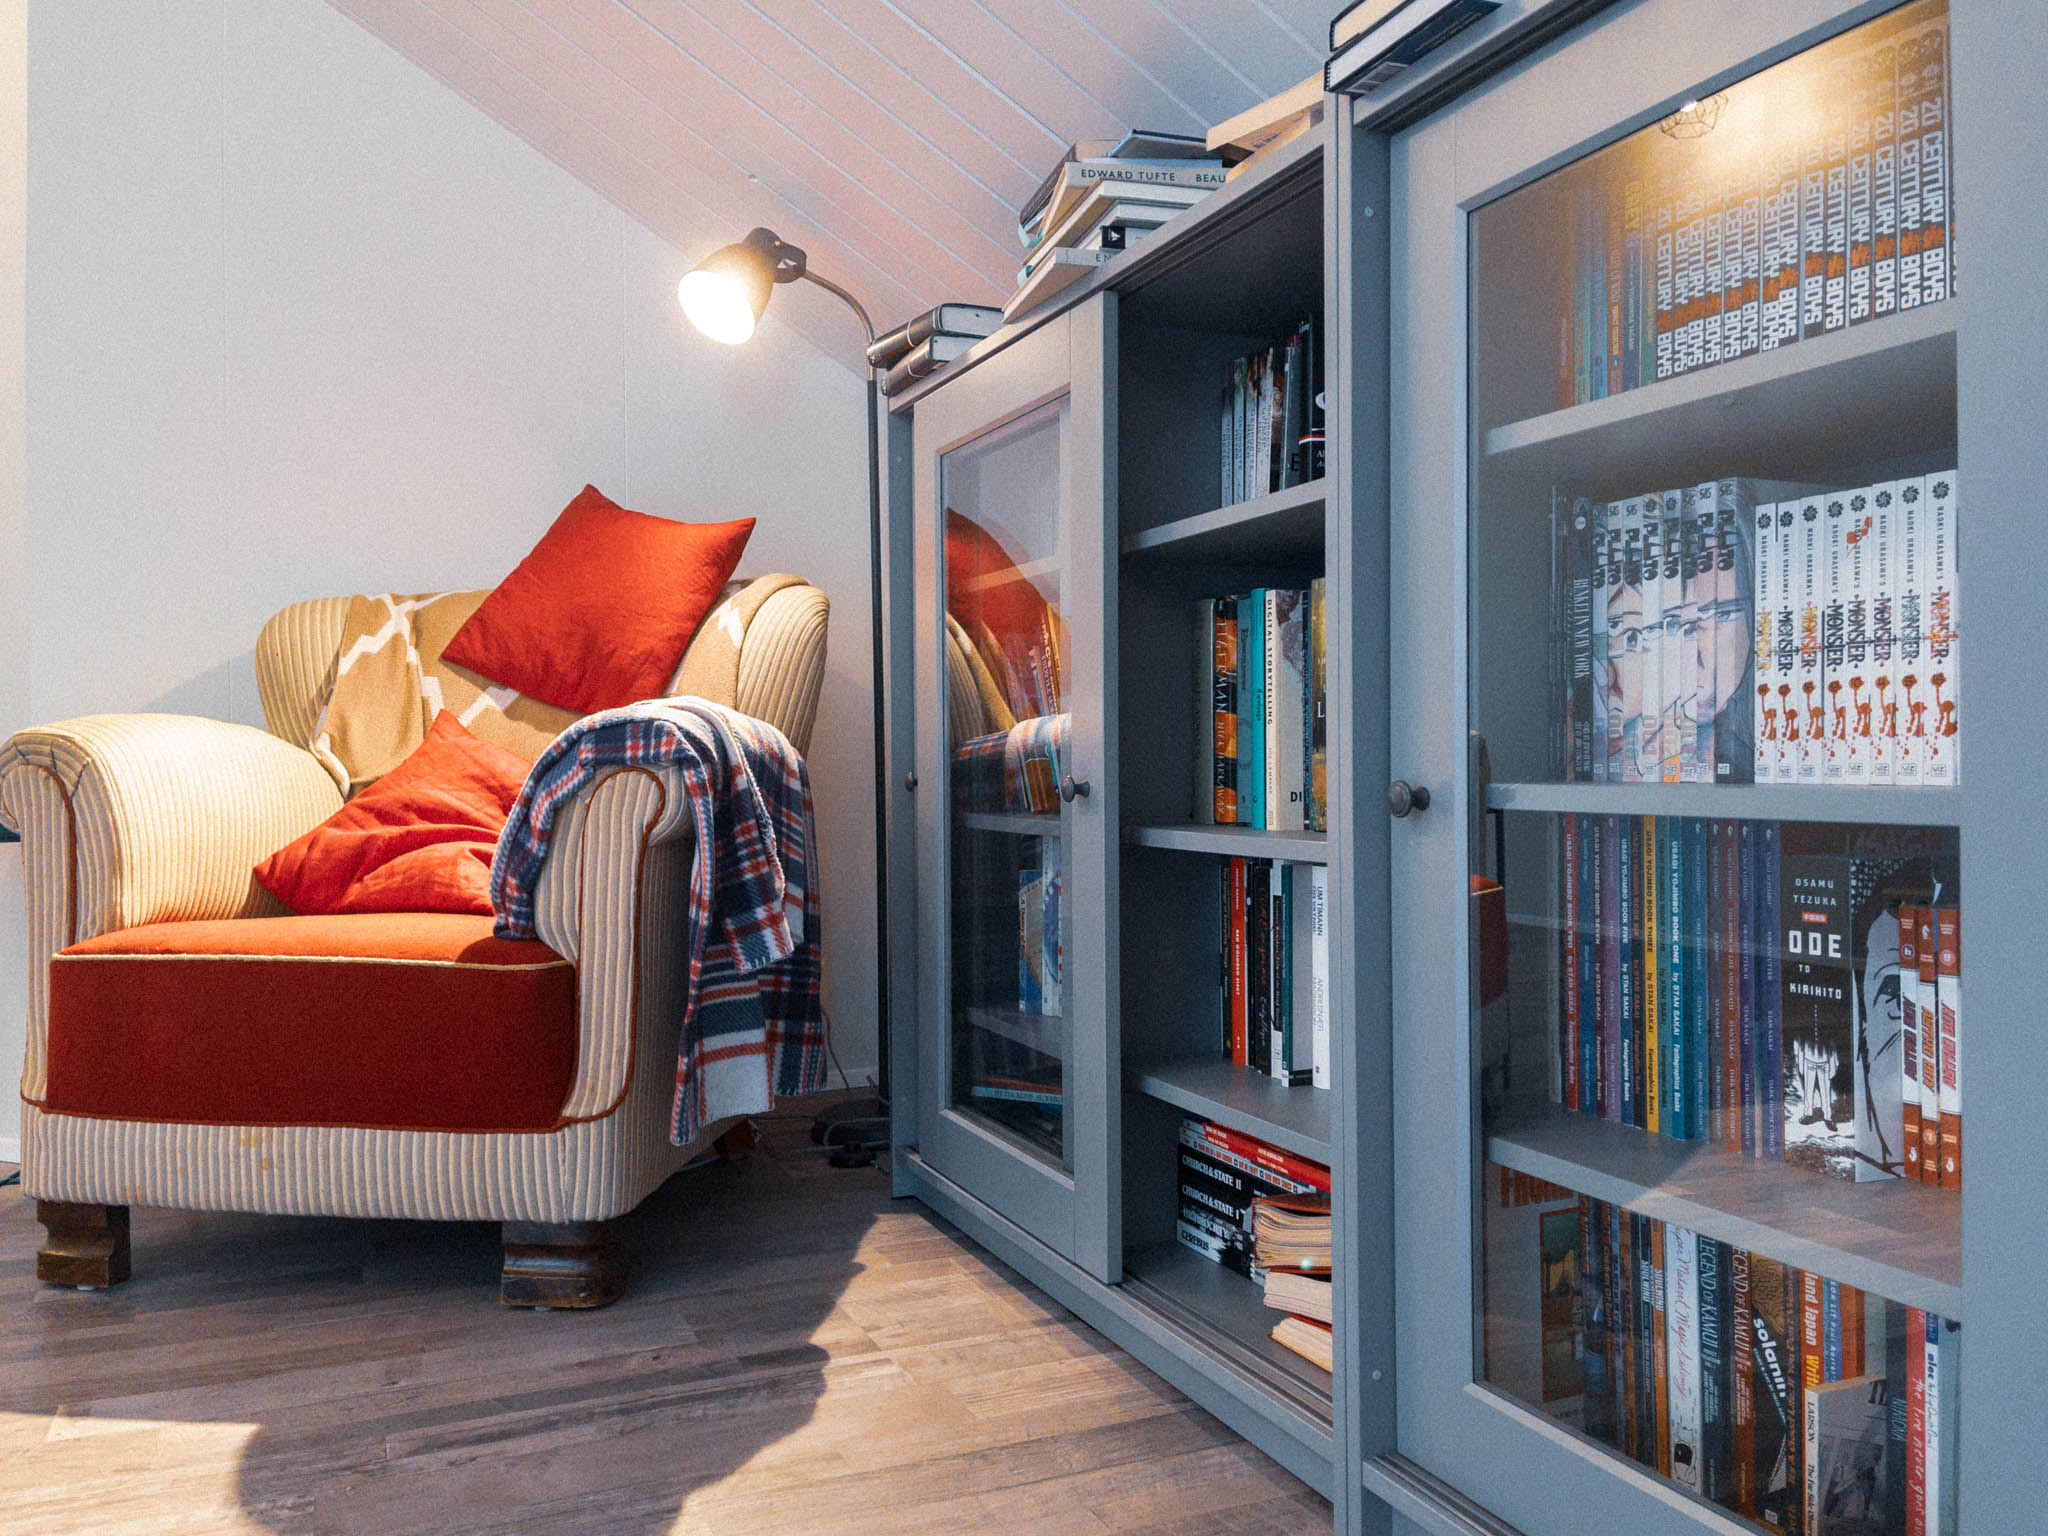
(1857, 689)
(1664, 280)
(1884, 534)
(1763, 583)
(1940, 759)
(1833, 629)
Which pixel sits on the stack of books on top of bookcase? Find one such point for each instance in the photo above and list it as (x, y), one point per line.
(1777, 1393)
(926, 343)
(1261, 686)
(1729, 633)
(1791, 992)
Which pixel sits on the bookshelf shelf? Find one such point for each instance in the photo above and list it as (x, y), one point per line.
(1224, 1313)
(1235, 842)
(1296, 1119)
(1041, 1032)
(1737, 802)
(1030, 570)
(1885, 389)
(1017, 823)
(1895, 1239)
(1279, 527)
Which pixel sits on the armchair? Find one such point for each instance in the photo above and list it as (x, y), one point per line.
(191, 1044)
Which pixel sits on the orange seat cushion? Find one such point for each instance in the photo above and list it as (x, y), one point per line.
(398, 1021)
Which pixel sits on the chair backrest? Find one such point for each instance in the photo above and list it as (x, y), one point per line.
(781, 660)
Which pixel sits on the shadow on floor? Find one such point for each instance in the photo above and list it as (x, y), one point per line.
(390, 1392)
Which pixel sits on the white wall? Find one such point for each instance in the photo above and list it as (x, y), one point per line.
(14, 650)
(300, 320)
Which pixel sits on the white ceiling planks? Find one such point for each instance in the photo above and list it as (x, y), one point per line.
(892, 139)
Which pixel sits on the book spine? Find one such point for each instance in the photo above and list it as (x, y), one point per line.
(1831, 1327)
(1936, 216)
(1205, 705)
(1318, 708)
(1613, 327)
(1809, 574)
(1932, 1456)
(1320, 1072)
(1941, 758)
(1647, 1335)
(1763, 586)
(1770, 1036)
(1583, 349)
(1251, 697)
(1715, 1342)
(1728, 640)
(1929, 1011)
(1744, 920)
(1860, 186)
(1603, 527)
(1689, 255)
(1632, 199)
(1593, 1290)
(1694, 716)
(1728, 918)
(1916, 1422)
(1858, 547)
(1682, 1354)
(1738, 1492)
(1880, 559)
(1277, 925)
(1293, 414)
(1813, 218)
(1714, 254)
(1835, 288)
(1785, 638)
(1591, 1065)
(1223, 704)
(1224, 874)
(1944, 1401)
(1622, 830)
(1884, 180)
(1612, 1087)
(1625, 653)
(1909, 1036)
(1834, 739)
(1284, 689)
(1778, 283)
(1909, 572)
(1571, 931)
(1286, 1173)
(1948, 963)
(1660, 1357)
(1890, 1512)
(1671, 1006)
(1650, 969)
(1742, 262)
(1258, 966)
(1238, 978)
(1710, 966)
(1649, 661)
(1699, 1075)
(1626, 1403)
(1678, 548)
(1613, 643)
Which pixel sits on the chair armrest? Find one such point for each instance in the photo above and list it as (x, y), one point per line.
(614, 898)
(130, 819)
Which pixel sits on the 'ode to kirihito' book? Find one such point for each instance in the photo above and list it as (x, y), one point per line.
(1817, 1014)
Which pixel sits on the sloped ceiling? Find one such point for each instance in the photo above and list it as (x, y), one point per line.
(892, 139)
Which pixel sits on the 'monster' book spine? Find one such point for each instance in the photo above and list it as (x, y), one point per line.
(1884, 179)
(1912, 690)
(1857, 694)
(1833, 629)
(1809, 573)
(1948, 982)
(1884, 641)
(1763, 586)
(1786, 640)
(1909, 1035)
(1940, 762)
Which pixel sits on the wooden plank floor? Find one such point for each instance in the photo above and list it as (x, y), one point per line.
(797, 1354)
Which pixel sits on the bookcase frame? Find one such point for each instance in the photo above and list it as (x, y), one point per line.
(1227, 276)
(1462, 1457)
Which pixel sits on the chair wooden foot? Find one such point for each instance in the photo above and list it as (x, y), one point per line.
(87, 1245)
(560, 1265)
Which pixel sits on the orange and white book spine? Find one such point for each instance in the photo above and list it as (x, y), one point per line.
(1909, 1035)
(1930, 1053)
(1910, 618)
(1948, 962)
(1940, 760)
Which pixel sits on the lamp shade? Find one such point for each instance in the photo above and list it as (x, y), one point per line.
(726, 293)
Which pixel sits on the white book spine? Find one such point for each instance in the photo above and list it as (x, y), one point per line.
(1809, 572)
(1286, 679)
(1884, 649)
(1613, 637)
(1626, 633)
(1931, 1344)
(1785, 637)
(1695, 660)
(1912, 627)
(1650, 662)
(1857, 687)
(1833, 607)
(1927, 988)
(1320, 1073)
(1682, 1352)
(1301, 943)
(1941, 763)
(1672, 619)
(1948, 992)
(1764, 584)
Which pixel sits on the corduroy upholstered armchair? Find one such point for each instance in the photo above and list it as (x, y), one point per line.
(398, 1065)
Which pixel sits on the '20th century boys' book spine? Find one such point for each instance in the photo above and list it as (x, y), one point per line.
(1813, 216)
(1818, 1023)
(1731, 755)
(1713, 252)
(1689, 251)
(1665, 284)
(1882, 69)
(1924, 254)
(1861, 208)
(1835, 288)
(1742, 260)
(1778, 280)
(1941, 762)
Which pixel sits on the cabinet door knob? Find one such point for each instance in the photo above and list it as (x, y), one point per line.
(910, 779)
(1072, 789)
(1404, 798)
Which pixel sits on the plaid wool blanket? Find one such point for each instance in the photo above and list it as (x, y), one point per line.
(753, 1018)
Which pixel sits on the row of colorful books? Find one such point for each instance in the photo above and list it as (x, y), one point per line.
(1808, 1406)
(1274, 971)
(1262, 709)
(1705, 635)
(1271, 419)
(1830, 207)
(1789, 991)
(1041, 946)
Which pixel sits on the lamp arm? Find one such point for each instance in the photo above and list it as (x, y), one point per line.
(843, 296)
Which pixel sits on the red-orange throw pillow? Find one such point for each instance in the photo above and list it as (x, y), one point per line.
(420, 839)
(601, 611)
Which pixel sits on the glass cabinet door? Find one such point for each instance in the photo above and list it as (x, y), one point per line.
(1011, 952)
(1695, 1092)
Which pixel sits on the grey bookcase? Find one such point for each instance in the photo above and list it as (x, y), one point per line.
(1131, 364)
